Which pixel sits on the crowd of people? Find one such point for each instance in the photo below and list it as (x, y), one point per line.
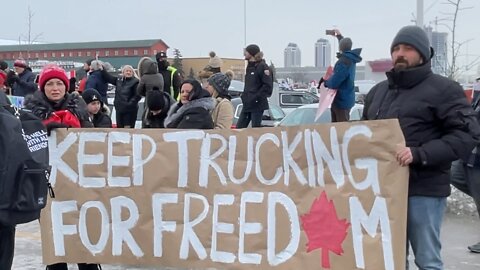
(438, 123)
(169, 103)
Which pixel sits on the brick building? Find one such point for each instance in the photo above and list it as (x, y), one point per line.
(237, 65)
(117, 53)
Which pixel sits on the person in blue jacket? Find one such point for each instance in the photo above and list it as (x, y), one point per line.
(343, 79)
(97, 81)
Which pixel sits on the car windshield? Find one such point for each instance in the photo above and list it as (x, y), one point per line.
(236, 86)
(303, 99)
(277, 112)
(306, 116)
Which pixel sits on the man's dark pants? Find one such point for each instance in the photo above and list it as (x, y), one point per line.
(245, 118)
(340, 115)
(7, 246)
(466, 178)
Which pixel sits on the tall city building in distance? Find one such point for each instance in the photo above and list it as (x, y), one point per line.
(292, 55)
(438, 40)
(323, 52)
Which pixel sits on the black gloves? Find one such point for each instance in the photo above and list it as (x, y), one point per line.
(53, 125)
(12, 78)
(320, 82)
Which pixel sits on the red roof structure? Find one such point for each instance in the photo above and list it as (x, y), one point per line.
(381, 65)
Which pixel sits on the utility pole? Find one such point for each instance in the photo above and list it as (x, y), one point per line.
(245, 23)
(420, 13)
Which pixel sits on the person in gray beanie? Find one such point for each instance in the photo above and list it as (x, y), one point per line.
(217, 86)
(343, 79)
(439, 126)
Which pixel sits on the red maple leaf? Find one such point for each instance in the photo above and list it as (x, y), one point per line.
(323, 228)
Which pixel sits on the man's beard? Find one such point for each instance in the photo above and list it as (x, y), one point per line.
(401, 64)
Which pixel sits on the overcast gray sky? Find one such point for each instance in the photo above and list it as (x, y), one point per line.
(196, 27)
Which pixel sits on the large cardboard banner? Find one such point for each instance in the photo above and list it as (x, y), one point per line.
(310, 197)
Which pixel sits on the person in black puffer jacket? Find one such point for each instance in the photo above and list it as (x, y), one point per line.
(439, 127)
(126, 96)
(194, 108)
(158, 106)
(98, 112)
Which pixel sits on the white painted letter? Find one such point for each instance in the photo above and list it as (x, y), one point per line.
(121, 228)
(138, 162)
(288, 161)
(275, 198)
(221, 227)
(334, 161)
(258, 168)
(84, 159)
(189, 236)
(181, 138)
(360, 219)
(58, 228)
(56, 152)
(104, 228)
(232, 146)
(370, 164)
(159, 226)
(248, 228)
(114, 161)
(207, 160)
(309, 155)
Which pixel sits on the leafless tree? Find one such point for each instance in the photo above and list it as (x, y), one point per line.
(30, 37)
(453, 69)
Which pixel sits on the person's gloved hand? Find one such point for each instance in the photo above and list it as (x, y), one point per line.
(54, 125)
(104, 73)
(12, 78)
(322, 80)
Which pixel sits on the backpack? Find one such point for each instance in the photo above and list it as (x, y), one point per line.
(24, 166)
(272, 74)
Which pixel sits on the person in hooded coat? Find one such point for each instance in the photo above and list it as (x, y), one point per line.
(158, 106)
(96, 80)
(194, 108)
(149, 76)
(98, 112)
(343, 79)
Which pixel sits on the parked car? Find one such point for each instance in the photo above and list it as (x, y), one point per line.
(290, 100)
(287, 100)
(141, 107)
(305, 115)
(271, 117)
(236, 88)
